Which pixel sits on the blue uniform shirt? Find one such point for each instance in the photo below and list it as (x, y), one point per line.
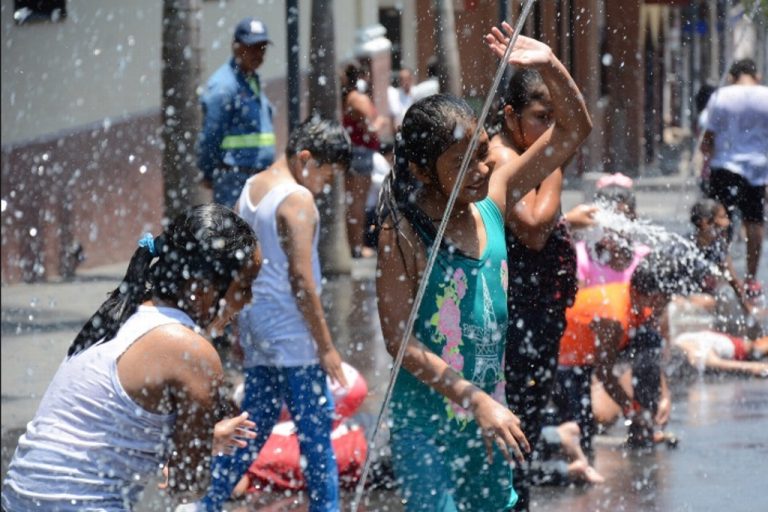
(237, 124)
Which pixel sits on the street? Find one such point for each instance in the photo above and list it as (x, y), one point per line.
(718, 465)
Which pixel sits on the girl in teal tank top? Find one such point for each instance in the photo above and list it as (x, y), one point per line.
(463, 319)
(452, 441)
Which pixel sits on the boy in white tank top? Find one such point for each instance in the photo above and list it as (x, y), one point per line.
(286, 343)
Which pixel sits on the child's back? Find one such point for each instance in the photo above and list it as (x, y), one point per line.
(273, 329)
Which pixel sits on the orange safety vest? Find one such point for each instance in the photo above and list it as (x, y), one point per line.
(609, 302)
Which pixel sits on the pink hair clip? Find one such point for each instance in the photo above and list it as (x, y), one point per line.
(614, 179)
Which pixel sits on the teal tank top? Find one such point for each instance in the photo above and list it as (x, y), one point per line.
(463, 319)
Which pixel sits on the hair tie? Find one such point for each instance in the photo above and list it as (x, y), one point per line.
(148, 242)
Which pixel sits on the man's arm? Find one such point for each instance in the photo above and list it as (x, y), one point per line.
(209, 154)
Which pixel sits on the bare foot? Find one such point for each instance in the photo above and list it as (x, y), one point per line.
(760, 370)
(659, 436)
(580, 471)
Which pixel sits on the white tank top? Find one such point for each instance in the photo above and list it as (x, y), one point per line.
(272, 329)
(91, 446)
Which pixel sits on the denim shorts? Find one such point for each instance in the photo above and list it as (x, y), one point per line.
(362, 161)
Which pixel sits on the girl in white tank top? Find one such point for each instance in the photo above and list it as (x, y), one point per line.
(136, 372)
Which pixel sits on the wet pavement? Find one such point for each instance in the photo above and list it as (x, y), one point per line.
(720, 463)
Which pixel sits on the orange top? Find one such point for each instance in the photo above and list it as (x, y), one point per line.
(609, 302)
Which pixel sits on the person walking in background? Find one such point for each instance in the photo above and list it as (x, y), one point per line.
(542, 265)
(400, 97)
(430, 85)
(237, 138)
(286, 343)
(363, 123)
(139, 388)
(735, 144)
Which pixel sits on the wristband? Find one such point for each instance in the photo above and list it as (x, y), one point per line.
(633, 409)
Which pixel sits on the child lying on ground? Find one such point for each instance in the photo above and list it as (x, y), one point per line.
(715, 351)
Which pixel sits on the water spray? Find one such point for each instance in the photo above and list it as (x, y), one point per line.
(433, 252)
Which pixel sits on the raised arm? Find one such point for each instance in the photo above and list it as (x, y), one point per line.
(296, 224)
(571, 126)
(396, 285)
(534, 217)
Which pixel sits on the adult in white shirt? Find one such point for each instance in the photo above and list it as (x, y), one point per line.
(400, 98)
(735, 142)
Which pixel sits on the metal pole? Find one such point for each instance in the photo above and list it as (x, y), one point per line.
(294, 77)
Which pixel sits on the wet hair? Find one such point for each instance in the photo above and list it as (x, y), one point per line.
(523, 89)
(327, 140)
(743, 67)
(616, 194)
(208, 244)
(704, 209)
(672, 269)
(430, 127)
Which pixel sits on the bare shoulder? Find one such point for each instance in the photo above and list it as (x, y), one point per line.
(499, 153)
(182, 348)
(400, 249)
(297, 206)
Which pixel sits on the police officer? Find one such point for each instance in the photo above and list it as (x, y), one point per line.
(237, 138)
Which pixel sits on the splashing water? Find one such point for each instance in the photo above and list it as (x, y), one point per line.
(682, 251)
(687, 261)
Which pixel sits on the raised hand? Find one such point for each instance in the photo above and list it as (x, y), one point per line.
(527, 52)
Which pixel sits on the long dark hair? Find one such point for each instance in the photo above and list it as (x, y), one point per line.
(521, 91)
(208, 244)
(430, 127)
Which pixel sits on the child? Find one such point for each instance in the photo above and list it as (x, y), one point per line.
(614, 256)
(139, 386)
(608, 319)
(709, 350)
(711, 224)
(442, 409)
(542, 265)
(286, 344)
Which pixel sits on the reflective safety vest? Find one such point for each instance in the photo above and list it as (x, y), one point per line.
(237, 123)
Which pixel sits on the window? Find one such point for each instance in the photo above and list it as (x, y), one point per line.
(30, 11)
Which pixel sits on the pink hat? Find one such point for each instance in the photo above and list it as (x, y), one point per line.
(614, 179)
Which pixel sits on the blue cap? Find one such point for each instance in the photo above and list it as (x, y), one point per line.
(251, 31)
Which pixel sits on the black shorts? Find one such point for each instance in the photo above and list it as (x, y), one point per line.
(736, 193)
